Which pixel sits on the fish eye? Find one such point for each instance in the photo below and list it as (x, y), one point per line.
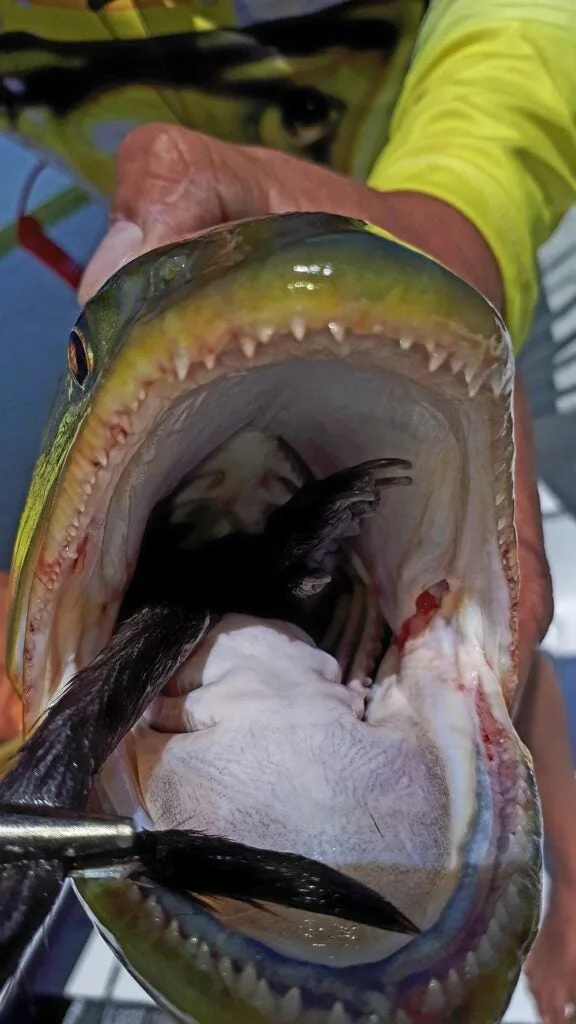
(307, 115)
(80, 358)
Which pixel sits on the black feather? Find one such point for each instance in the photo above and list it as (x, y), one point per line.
(100, 705)
(200, 864)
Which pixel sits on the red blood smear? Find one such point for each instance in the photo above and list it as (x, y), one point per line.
(32, 238)
(488, 743)
(426, 603)
(426, 607)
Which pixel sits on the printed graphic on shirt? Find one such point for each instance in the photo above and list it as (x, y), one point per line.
(319, 82)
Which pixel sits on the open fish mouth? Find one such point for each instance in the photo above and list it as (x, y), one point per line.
(209, 378)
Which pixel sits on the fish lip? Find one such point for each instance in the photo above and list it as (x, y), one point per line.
(423, 346)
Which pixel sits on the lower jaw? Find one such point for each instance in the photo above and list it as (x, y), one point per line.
(462, 969)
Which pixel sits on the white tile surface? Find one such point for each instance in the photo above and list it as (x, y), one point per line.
(98, 974)
(127, 990)
(560, 539)
(93, 971)
(522, 1009)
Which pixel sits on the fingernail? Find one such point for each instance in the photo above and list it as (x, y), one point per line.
(121, 244)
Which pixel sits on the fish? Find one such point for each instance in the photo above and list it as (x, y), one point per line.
(43, 835)
(205, 382)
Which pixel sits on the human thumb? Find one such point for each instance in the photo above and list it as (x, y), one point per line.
(170, 184)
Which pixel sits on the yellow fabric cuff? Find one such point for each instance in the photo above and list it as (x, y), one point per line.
(486, 122)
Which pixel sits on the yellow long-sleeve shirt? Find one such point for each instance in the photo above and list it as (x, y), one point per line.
(486, 122)
(485, 119)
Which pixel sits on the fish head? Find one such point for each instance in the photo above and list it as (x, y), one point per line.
(214, 374)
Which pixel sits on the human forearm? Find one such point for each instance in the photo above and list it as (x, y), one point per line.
(543, 727)
(487, 123)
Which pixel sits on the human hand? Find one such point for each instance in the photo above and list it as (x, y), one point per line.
(551, 964)
(542, 724)
(173, 183)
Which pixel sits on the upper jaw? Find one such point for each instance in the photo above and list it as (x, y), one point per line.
(251, 296)
(100, 502)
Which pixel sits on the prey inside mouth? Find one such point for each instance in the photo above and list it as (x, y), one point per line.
(375, 735)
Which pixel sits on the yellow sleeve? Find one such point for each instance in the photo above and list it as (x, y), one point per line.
(487, 122)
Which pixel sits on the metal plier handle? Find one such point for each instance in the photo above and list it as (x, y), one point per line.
(54, 834)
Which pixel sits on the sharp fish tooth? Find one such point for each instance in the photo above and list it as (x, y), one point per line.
(406, 343)
(338, 331)
(247, 981)
(291, 1006)
(122, 420)
(173, 930)
(154, 910)
(181, 363)
(203, 957)
(485, 954)
(248, 346)
(471, 967)
(454, 987)
(436, 360)
(264, 334)
(434, 1000)
(298, 327)
(497, 382)
(226, 971)
(263, 999)
(476, 383)
(209, 360)
(456, 364)
(402, 1018)
(494, 935)
(469, 372)
(380, 1004)
(338, 1014)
